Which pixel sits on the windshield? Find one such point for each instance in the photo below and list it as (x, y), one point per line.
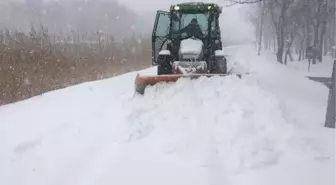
(180, 21)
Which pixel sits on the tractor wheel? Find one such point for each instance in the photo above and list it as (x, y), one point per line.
(220, 66)
(164, 66)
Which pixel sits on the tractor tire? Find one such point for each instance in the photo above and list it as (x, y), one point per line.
(220, 66)
(164, 67)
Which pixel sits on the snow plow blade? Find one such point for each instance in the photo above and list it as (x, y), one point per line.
(141, 82)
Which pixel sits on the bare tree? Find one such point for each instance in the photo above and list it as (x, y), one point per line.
(261, 27)
(295, 25)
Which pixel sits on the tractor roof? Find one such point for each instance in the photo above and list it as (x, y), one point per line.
(196, 7)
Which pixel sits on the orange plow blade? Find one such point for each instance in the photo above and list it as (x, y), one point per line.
(141, 82)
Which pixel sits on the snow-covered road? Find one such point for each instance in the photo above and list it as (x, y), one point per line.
(266, 128)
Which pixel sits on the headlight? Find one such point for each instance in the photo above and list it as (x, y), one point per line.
(176, 8)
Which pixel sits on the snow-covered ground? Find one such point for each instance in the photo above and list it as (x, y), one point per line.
(323, 69)
(266, 128)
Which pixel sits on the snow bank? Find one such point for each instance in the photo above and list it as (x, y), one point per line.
(303, 103)
(269, 125)
(266, 128)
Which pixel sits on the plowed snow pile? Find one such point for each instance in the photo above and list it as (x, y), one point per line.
(266, 128)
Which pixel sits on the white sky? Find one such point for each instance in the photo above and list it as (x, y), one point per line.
(233, 22)
(233, 18)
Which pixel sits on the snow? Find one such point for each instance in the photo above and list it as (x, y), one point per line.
(164, 52)
(266, 128)
(323, 69)
(219, 53)
(191, 46)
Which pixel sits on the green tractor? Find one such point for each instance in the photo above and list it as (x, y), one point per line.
(186, 42)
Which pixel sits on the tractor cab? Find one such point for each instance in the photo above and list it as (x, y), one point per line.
(189, 31)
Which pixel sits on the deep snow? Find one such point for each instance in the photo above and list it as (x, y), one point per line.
(266, 128)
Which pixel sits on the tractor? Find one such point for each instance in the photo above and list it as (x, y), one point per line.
(186, 42)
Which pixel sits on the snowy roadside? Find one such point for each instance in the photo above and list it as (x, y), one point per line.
(323, 69)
